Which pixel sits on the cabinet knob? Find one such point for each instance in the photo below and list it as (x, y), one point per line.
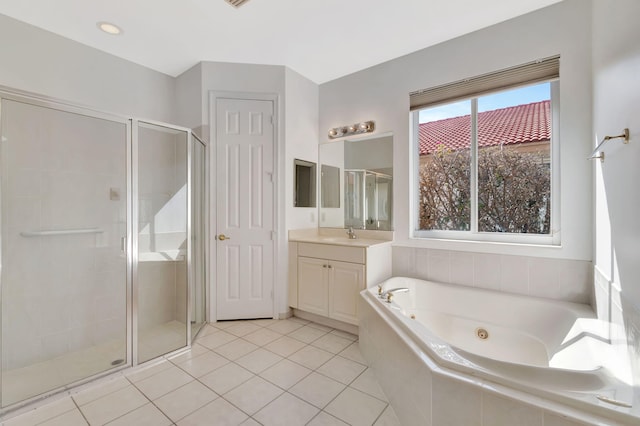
(330, 266)
(324, 266)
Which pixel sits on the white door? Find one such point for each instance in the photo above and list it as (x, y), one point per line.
(245, 208)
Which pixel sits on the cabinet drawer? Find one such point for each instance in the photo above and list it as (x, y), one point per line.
(332, 252)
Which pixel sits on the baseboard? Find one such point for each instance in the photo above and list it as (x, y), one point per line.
(329, 322)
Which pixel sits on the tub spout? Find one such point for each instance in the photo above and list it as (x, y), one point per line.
(389, 293)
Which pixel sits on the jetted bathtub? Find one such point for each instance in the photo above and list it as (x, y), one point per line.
(548, 356)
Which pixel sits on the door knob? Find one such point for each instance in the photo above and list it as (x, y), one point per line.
(223, 237)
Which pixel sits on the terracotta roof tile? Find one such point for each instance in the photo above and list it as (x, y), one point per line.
(513, 125)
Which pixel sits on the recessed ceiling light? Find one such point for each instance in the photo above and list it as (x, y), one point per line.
(109, 28)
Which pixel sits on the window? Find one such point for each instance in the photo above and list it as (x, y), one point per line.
(485, 162)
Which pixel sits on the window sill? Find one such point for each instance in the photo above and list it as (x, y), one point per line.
(555, 251)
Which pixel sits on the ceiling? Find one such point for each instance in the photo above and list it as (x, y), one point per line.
(320, 39)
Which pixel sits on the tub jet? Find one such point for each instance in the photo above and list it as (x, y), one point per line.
(482, 333)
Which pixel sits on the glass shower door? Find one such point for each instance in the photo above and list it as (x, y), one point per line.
(63, 265)
(162, 278)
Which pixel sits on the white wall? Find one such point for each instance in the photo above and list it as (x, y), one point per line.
(41, 62)
(301, 136)
(189, 100)
(616, 105)
(381, 93)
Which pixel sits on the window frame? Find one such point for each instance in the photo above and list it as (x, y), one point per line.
(473, 235)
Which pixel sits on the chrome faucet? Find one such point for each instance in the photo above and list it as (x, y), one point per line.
(388, 295)
(351, 233)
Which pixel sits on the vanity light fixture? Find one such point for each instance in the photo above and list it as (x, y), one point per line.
(109, 28)
(354, 129)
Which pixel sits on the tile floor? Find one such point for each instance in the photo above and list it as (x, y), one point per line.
(262, 372)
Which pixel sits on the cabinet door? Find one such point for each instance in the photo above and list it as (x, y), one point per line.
(313, 284)
(346, 281)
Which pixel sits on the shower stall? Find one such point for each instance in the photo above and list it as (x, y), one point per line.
(102, 244)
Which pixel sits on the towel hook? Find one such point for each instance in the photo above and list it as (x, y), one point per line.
(600, 155)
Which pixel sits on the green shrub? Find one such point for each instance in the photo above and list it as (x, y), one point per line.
(514, 191)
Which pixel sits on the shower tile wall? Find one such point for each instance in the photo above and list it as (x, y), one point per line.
(61, 293)
(623, 318)
(161, 287)
(569, 280)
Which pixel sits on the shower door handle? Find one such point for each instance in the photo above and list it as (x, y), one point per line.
(123, 244)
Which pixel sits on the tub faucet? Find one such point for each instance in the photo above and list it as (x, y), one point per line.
(388, 295)
(351, 233)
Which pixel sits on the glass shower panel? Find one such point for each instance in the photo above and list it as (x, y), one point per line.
(198, 234)
(162, 274)
(384, 191)
(370, 201)
(354, 206)
(63, 267)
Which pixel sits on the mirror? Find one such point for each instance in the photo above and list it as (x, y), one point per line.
(330, 191)
(305, 183)
(356, 183)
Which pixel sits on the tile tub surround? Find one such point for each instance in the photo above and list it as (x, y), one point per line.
(423, 391)
(269, 372)
(559, 279)
(622, 315)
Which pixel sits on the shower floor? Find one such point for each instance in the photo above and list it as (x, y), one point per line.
(26, 382)
(159, 340)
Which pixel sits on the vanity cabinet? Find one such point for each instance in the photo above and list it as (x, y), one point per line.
(326, 279)
(330, 288)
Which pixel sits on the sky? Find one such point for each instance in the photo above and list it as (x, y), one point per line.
(520, 96)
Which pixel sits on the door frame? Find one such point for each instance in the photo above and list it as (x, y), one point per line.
(278, 192)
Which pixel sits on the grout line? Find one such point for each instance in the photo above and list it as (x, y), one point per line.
(79, 409)
(166, 415)
(147, 398)
(328, 414)
(61, 414)
(381, 413)
(94, 387)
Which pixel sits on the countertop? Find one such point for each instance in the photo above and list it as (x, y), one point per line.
(333, 239)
